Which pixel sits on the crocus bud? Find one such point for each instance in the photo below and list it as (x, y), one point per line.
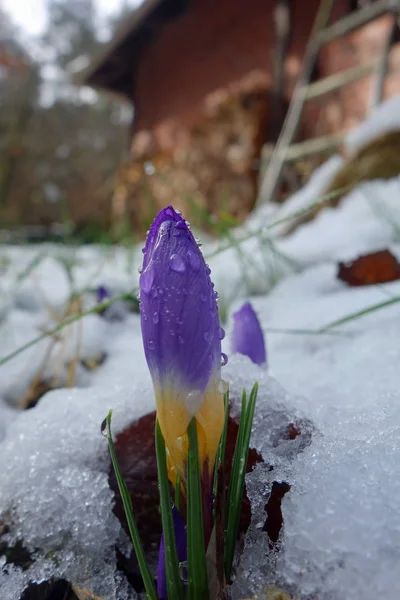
(247, 335)
(102, 293)
(181, 548)
(182, 339)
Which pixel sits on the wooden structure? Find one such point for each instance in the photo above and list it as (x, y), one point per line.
(210, 81)
(322, 35)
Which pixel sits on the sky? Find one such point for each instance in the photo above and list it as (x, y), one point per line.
(30, 15)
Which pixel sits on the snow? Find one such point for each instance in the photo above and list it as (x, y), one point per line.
(384, 118)
(341, 532)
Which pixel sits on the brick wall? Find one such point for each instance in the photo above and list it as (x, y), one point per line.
(216, 44)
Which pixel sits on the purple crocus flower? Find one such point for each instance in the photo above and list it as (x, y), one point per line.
(181, 547)
(247, 335)
(102, 293)
(182, 339)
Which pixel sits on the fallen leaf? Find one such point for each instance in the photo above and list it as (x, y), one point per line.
(273, 509)
(83, 594)
(377, 267)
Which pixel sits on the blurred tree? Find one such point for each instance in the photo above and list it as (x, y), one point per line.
(59, 144)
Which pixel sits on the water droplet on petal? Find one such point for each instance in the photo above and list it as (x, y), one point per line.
(146, 280)
(194, 260)
(224, 359)
(156, 318)
(140, 270)
(181, 340)
(178, 212)
(151, 345)
(177, 263)
(203, 297)
(181, 225)
(207, 336)
(221, 333)
(194, 401)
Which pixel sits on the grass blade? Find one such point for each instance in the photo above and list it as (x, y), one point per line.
(222, 443)
(174, 582)
(236, 486)
(133, 530)
(360, 313)
(197, 567)
(60, 326)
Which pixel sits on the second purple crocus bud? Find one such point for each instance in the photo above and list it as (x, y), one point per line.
(247, 335)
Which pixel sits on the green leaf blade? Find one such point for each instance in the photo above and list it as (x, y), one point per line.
(174, 582)
(133, 530)
(197, 566)
(236, 486)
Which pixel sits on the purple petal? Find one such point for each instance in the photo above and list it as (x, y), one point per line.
(102, 293)
(247, 335)
(178, 308)
(181, 546)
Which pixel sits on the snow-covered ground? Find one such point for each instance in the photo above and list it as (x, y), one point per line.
(341, 537)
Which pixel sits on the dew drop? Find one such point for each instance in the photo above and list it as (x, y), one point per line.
(103, 427)
(194, 401)
(177, 263)
(156, 318)
(221, 333)
(181, 340)
(178, 212)
(207, 335)
(183, 571)
(194, 260)
(140, 270)
(151, 345)
(146, 280)
(181, 225)
(224, 359)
